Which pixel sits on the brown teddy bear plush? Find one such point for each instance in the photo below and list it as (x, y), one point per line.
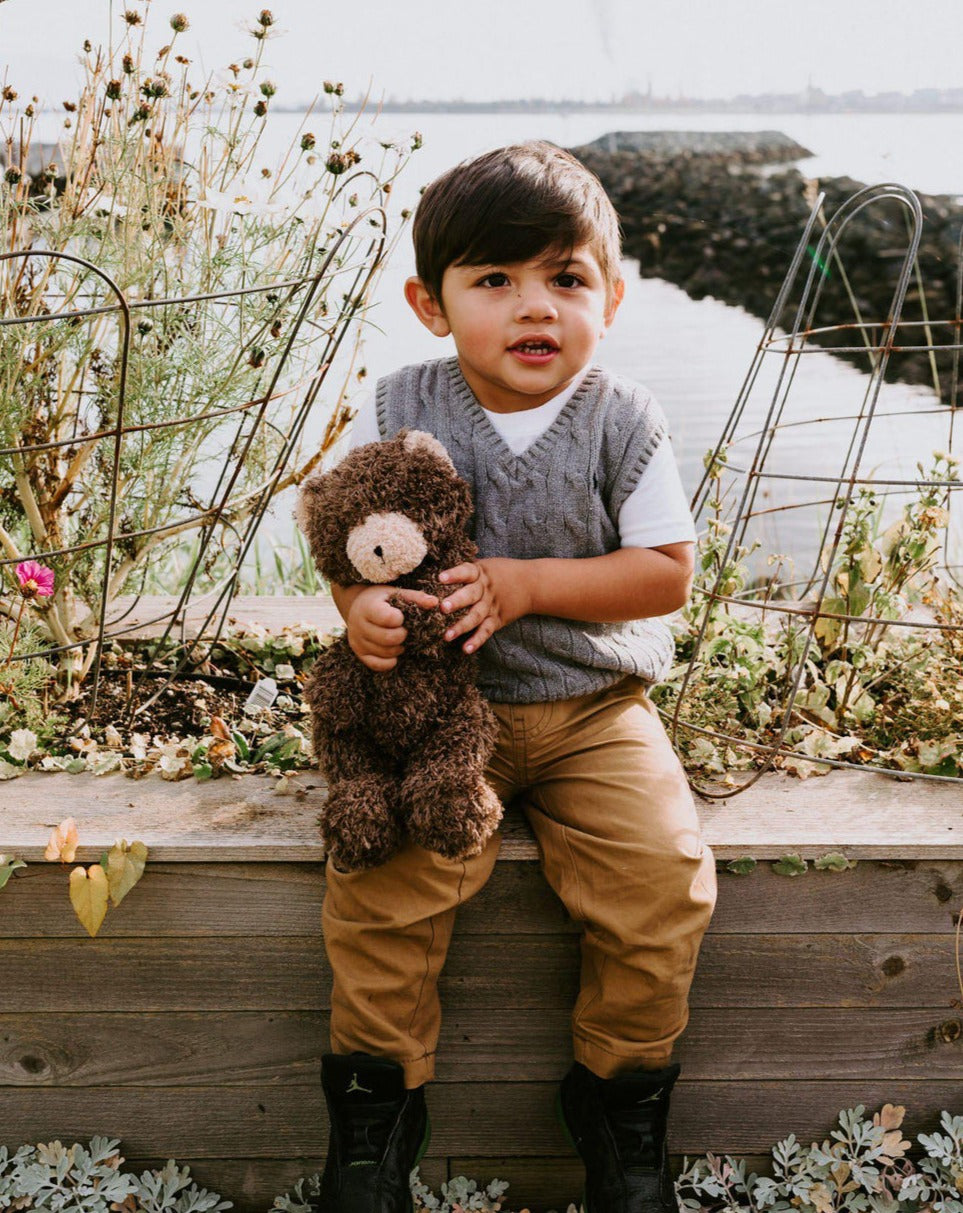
(403, 750)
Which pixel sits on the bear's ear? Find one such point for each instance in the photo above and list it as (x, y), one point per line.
(305, 502)
(420, 440)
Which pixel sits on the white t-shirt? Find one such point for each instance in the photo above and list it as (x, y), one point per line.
(655, 513)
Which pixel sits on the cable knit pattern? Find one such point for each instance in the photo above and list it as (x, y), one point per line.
(560, 497)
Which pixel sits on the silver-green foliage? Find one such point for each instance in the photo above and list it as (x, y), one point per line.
(863, 1168)
(244, 272)
(459, 1194)
(78, 1180)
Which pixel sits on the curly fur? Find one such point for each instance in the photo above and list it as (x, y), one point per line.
(404, 751)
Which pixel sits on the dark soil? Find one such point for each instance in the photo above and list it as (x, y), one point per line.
(182, 709)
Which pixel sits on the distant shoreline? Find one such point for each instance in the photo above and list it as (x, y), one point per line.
(539, 106)
(762, 107)
(575, 107)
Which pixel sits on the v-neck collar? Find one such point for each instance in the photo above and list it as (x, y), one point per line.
(544, 441)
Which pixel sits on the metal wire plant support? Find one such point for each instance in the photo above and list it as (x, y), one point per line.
(352, 259)
(781, 459)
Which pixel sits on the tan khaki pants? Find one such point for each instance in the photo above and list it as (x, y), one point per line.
(607, 800)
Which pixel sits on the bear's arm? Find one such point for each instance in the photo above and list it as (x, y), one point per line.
(335, 688)
(425, 625)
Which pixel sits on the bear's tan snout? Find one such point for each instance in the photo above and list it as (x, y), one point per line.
(386, 546)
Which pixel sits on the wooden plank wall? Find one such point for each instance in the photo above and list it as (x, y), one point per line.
(192, 1026)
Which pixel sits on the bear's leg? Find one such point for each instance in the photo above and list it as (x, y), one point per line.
(447, 804)
(359, 821)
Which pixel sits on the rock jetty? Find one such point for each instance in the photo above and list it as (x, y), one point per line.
(721, 214)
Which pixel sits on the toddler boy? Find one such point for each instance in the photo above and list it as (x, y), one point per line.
(584, 537)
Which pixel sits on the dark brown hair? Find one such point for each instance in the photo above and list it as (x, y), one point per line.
(514, 204)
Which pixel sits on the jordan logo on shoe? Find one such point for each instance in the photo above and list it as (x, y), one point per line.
(655, 1095)
(354, 1085)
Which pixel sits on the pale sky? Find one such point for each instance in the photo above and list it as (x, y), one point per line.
(485, 49)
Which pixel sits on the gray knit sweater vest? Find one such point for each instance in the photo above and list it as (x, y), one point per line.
(560, 497)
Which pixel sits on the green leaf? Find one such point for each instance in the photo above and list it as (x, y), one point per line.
(8, 865)
(290, 748)
(834, 861)
(790, 865)
(269, 745)
(243, 749)
(741, 866)
(203, 771)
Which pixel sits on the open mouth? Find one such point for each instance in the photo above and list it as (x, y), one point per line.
(534, 351)
(535, 347)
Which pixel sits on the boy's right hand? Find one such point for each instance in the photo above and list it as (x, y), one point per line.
(375, 628)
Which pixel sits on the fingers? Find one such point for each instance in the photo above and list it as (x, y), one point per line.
(368, 648)
(379, 642)
(480, 635)
(468, 622)
(384, 616)
(380, 664)
(461, 572)
(467, 596)
(418, 597)
(383, 637)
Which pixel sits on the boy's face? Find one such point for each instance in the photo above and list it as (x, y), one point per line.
(523, 330)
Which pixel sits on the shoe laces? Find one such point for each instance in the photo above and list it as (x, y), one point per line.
(638, 1133)
(365, 1131)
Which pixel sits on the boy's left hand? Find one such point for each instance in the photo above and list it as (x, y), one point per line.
(495, 591)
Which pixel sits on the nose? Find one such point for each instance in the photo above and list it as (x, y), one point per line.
(534, 302)
(378, 552)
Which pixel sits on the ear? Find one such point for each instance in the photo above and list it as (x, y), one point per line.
(418, 440)
(618, 292)
(304, 504)
(428, 309)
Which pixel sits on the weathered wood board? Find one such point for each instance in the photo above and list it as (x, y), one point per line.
(863, 813)
(194, 1024)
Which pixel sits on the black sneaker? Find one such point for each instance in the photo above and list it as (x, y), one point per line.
(379, 1131)
(618, 1125)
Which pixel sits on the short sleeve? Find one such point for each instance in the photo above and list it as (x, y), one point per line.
(364, 427)
(656, 512)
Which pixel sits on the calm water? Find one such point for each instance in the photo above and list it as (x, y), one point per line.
(693, 355)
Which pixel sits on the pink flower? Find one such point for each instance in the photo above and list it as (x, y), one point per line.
(36, 580)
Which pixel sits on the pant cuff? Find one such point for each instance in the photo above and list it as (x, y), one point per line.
(605, 1064)
(418, 1070)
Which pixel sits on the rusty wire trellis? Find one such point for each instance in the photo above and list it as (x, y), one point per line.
(364, 237)
(744, 469)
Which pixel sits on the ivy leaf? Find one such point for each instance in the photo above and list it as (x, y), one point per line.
(107, 765)
(834, 861)
(8, 865)
(741, 866)
(827, 630)
(63, 842)
(790, 865)
(870, 564)
(88, 895)
(125, 866)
